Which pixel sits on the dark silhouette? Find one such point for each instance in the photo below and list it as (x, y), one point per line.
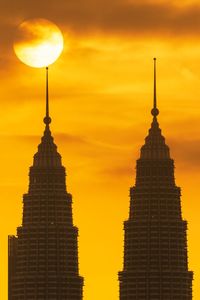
(155, 246)
(43, 257)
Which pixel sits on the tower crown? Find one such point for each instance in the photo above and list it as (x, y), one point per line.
(47, 155)
(155, 147)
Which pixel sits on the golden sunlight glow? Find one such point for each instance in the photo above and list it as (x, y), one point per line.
(38, 43)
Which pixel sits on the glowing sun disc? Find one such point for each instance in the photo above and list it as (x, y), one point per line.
(38, 42)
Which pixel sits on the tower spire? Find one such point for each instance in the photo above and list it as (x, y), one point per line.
(47, 119)
(155, 111)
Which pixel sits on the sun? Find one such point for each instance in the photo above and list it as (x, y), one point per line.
(38, 42)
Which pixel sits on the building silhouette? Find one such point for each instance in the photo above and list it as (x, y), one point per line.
(155, 243)
(43, 257)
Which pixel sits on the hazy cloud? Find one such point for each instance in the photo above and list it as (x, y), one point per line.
(114, 15)
(125, 171)
(137, 18)
(87, 15)
(61, 137)
(186, 152)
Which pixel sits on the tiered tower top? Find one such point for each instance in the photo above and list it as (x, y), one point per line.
(155, 147)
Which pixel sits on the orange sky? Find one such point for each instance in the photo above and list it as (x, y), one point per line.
(101, 97)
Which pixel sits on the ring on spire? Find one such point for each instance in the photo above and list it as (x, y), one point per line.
(47, 120)
(155, 112)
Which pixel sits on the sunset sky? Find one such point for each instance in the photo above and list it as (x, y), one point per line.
(101, 97)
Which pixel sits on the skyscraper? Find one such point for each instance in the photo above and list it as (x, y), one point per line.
(43, 257)
(155, 244)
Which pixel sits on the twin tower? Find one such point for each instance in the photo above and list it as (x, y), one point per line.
(43, 256)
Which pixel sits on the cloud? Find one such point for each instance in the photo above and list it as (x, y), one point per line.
(114, 17)
(61, 137)
(138, 17)
(186, 153)
(120, 171)
(69, 138)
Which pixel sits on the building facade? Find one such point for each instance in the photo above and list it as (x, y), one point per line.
(155, 243)
(43, 257)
